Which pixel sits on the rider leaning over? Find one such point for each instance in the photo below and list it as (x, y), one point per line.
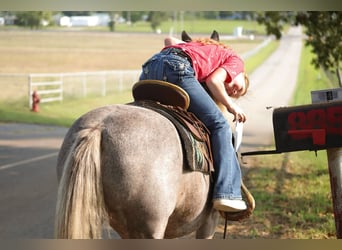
(188, 64)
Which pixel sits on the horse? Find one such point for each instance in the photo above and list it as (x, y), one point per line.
(122, 165)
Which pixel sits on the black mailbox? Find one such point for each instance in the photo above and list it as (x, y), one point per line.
(313, 127)
(308, 127)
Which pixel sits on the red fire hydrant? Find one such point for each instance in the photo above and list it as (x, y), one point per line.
(35, 102)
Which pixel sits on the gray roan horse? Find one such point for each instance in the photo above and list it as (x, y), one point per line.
(123, 165)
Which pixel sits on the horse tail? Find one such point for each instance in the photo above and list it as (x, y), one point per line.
(80, 210)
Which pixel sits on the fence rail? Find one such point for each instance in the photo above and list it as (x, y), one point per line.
(54, 87)
(49, 91)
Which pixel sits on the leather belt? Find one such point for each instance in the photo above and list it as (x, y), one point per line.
(178, 52)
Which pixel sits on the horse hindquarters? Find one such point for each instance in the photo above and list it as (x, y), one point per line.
(140, 186)
(142, 165)
(80, 210)
(147, 192)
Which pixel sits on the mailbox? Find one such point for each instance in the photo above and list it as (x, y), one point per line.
(308, 127)
(314, 127)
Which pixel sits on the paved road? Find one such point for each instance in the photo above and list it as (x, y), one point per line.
(28, 184)
(28, 153)
(271, 85)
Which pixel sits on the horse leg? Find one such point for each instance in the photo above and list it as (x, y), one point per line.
(207, 230)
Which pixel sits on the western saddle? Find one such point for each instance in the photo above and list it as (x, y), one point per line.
(172, 102)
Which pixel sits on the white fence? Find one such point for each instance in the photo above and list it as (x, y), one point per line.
(49, 87)
(54, 87)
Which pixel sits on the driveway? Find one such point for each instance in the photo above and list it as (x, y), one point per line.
(271, 85)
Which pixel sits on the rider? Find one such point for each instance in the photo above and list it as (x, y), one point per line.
(187, 64)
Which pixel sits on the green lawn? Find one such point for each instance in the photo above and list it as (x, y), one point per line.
(55, 113)
(309, 79)
(225, 27)
(192, 26)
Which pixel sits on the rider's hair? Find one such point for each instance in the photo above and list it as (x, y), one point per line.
(246, 83)
(211, 41)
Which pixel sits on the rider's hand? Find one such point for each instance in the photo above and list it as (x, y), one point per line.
(238, 113)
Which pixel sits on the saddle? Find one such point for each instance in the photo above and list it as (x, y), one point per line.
(172, 102)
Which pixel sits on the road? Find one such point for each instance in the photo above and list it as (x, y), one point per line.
(271, 85)
(28, 153)
(28, 183)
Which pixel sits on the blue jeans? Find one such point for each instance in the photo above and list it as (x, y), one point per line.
(172, 68)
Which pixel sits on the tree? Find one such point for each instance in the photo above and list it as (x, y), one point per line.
(77, 13)
(323, 30)
(32, 19)
(111, 23)
(134, 16)
(156, 18)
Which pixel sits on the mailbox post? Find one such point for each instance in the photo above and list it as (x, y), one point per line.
(316, 126)
(334, 159)
(335, 173)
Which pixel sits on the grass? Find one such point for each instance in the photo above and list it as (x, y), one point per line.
(55, 52)
(191, 25)
(56, 113)
(309, 79)
(197, 26)
(292, 192)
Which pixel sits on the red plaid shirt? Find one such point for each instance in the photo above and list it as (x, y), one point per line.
(206, 58)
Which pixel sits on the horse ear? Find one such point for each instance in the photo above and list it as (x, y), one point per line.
(215, 36)
(186, 37)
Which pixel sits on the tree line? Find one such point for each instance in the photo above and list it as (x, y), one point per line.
(33, 19)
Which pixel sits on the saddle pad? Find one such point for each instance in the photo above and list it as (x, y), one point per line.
(196, 149)
(162, 92)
